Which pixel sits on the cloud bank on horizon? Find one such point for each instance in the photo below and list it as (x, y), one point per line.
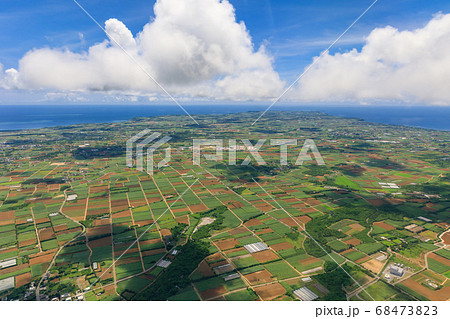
(197, 49)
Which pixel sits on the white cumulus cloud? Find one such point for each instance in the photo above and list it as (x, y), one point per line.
(405, 66)
(194, 48)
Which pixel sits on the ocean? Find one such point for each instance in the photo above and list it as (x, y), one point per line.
(19, 117)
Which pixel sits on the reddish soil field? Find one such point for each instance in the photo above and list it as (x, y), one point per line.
(227, 243)
(42, 220)
(384, 225)
(124, 260)
(259, 277)
(165, 232)
(309, 260)
(150, 241)
(211, 293)
(12, 269)
(271, 291)
(183, 219)
(119, 202)
(153, 252)
(299, 205)
(264, 231)
(281, 246)
(42, 258)
(23, 279)
(353, 242)
(144, 222)
(27, 242)
(198, 208)
(346, 251)
(6, 222)
(117, 253)
(214, 257)
(219, 263)
(264, 207)
(252, 222)
(265, 256)
(46, 234)
(7, 215)
(60, 227)
(437, 295)
(98, 212)
(361, 260)
(101, 222)
(237, 231)
(100, 230)
(205, 270)
(376, 202)
(125, 213)
(313, 202)
(446, 238)
(105, 241)
(440, 259)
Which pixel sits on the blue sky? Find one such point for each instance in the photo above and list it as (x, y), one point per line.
(293, 31)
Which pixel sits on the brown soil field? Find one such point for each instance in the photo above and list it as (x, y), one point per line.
(153, 200)
(376, 202)
(259, 277)
(23, 279)
(264, 207)
(438, 295)
(308, 210)
(214, 257)
(119, 202)
(205, 270)
(227, 243)
(99, 230)
(353, 242)
(6, 222)
(153, 252)
(46, 234)
(150, 241)
(373, 265)
(42, 258)
(237, 231)
(7, 215)
(271, 291)
(144, 222)
(264, 231)
(101, 222)
(218, 263)
(363, 259)
(179, 210)
(446, 238)
(12, 269)
(252, 222)
(42, 220)
(384, 225)
(198, 208)
(346, 251)
(440, 259)
(118, 253)
(105, 241)
(281, 246)
(265, 256)
(4, 251)
(27, 242)
(124, 260)
(356, 226)
(165, 232)
(60, 227)
(309, 260)
(312, 202)
(183, 219)
(211, 293)
(125, 213)
(98, 212)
